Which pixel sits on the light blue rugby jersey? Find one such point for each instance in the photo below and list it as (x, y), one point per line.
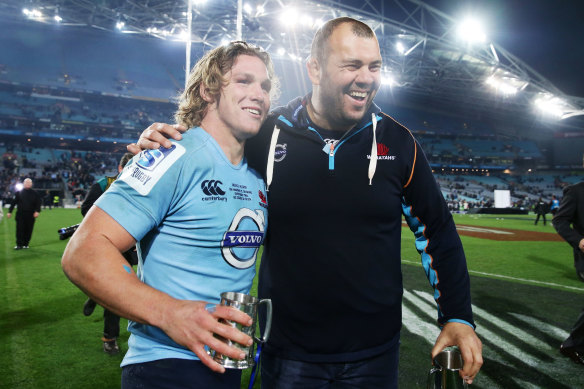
(199, 221)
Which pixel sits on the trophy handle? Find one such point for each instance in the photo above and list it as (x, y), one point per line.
(266, 334)
(431, 384)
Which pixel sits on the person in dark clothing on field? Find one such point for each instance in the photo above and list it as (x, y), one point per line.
(541, 209)
(28, 202)
(569, 222)
(111, 321)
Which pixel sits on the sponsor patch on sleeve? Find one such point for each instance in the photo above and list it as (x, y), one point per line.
(150, 167)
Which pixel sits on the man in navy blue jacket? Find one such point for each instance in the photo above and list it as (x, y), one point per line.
(569, 222)
(340, 174)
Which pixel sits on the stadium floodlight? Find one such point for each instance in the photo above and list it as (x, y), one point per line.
(294, 57)
(32, 13)
(182, 35)
(502, 86)
(58, 19)
(400, 48)
(306, 20)
(120, 25)
(289, 17)
(471, 30)
(506, 83)
(388, 79)
(281, 51)
(18, 187)
(550, 105)
(555, 106)
(199, 2)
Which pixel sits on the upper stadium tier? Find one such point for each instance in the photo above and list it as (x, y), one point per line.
(425, 51)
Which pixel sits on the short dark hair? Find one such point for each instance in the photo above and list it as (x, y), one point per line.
(125, 158)
(320, 47)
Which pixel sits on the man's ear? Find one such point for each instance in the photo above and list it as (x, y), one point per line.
(205, 95)
(314, 70)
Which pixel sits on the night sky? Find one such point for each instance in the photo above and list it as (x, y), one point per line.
(548, 35)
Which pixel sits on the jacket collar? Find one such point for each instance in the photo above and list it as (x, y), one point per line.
(295, 114)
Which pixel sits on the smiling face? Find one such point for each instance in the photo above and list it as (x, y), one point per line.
(346, 83)
(244, 101)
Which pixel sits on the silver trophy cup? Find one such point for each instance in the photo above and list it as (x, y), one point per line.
(444, 372)
(249, 305)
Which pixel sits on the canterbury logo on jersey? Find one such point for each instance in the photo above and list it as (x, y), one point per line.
(212, 188)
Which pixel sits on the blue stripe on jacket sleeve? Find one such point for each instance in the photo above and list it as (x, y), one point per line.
(418, 229)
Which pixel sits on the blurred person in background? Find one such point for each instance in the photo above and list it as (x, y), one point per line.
(28, 203)
(111, 321)
(554, 205)
(540, 209)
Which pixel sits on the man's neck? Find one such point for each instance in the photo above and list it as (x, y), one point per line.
(231, 146)
(316, 113)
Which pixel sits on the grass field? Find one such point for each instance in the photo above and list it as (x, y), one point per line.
(526, 296)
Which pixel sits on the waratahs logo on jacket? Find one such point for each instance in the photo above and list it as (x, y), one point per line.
(242, 241)
(382, 153)
(150, 167)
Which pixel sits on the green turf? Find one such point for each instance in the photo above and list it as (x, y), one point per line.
(46, 342)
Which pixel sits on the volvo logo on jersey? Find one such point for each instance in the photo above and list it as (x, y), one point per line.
(242, 241)
(213, 190)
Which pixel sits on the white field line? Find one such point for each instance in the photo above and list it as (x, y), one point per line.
(527, 281)
(485, 316)
(556, 332)
(482, 331)
(483, 230)
(558, 369)
(428, 330)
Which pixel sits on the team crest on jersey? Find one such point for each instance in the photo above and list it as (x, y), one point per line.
(150, 167)
(242, 241)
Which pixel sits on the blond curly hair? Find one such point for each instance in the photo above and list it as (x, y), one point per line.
(210, 71)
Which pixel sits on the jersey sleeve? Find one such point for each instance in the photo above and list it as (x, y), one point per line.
(437, 241)
(145, 190)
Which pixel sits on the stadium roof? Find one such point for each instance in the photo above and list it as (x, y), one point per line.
(433, 62)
